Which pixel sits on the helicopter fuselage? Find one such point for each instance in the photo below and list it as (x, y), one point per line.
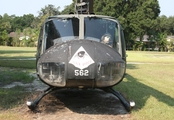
(86, 51)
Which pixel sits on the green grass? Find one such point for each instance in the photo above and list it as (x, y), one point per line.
(17, 52)
(17, 57)
(153, 57)
(150, 85)
(29, 64)
(14, 70)
(8, 76)
(12, 97)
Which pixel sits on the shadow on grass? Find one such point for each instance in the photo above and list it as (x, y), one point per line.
(29, 64)
(18, 58)
(140, 93)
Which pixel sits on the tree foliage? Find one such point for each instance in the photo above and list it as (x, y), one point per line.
(22, 22)
(26, 25)
(136, 16)
(49, 10)
(68, 9)
(4, 37)
(5, 23)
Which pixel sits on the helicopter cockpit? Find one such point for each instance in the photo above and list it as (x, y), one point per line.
(104, 30)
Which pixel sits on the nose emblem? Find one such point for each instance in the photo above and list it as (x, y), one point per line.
(81, 59)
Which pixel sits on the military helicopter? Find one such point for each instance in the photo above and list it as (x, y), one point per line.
(81, 50)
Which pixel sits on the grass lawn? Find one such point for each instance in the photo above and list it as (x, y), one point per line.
(14, 70)
(152, 57)
(149, 82)
(18, 57)
(17, 52)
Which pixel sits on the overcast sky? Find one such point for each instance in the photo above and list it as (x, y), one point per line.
(21, 7)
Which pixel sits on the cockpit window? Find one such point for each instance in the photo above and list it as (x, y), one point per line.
(60, 30)
(103, 30)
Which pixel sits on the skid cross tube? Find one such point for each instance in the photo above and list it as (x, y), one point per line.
(33, 104)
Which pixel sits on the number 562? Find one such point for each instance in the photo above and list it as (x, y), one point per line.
(81, 72)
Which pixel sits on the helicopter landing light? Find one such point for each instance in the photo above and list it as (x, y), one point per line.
(52, 73)
(109, 73)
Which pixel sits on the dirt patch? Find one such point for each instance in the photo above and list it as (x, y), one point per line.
(36, 85)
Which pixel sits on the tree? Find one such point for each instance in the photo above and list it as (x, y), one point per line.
(162, 24)
(30, 37)
(170, 25)
(5, 23)
(35, 23)
(27, 20)
(17, 23)
(16, 41)
(4, 37)
(49, 10)
(68, 9)
(161, 40)
(22, 22)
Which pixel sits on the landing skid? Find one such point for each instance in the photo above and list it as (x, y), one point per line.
(33, 104)
(128, 105)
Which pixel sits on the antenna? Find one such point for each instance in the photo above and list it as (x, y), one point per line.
(84, 6)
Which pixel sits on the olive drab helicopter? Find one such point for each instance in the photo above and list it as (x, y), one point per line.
(81, 50)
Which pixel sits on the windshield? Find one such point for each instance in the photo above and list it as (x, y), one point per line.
(61, 30)
(103, 30)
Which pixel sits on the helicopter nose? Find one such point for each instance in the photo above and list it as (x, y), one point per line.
(88, 62)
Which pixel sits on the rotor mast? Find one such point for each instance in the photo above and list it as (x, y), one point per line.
(84, 6)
